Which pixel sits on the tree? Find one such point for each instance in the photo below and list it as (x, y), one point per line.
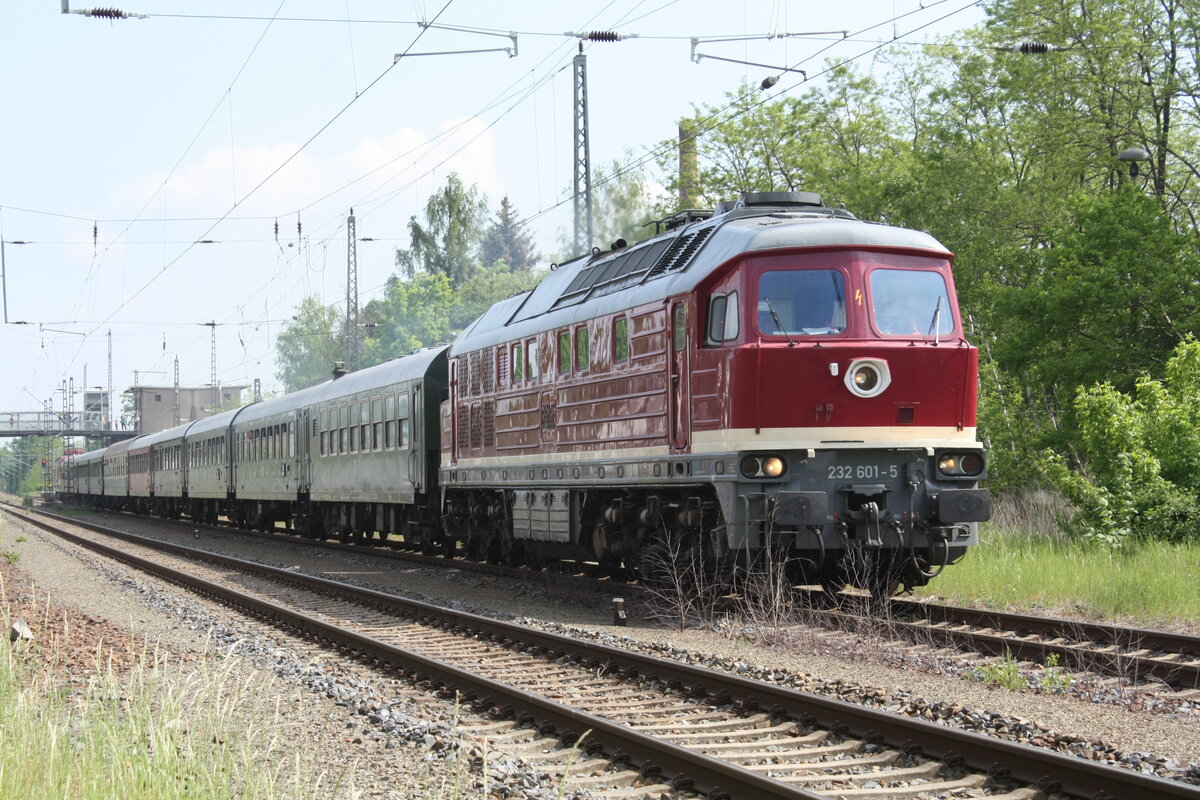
(308, 346)
(448, 241)
(507, 240)
(624, 203)
(411, 314)
(1114, 295)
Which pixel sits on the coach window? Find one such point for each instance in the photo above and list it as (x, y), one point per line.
(364, 425)
(518, 363)
(402, 419)
(620, 339)
(389, 425)
(377, 423)
(564, 351)
(343, 431)
(531, 360)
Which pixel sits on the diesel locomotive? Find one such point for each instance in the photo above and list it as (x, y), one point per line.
(774, 381)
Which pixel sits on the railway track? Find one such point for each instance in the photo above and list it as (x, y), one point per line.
(1152, 660)
(641, 721)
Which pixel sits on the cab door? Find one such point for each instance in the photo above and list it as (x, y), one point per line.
(679, 401)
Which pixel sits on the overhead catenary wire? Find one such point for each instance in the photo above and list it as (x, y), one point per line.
(515, 98)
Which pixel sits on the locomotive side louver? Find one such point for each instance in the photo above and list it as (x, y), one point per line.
(679, 253)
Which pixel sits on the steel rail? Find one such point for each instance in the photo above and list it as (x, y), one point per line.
(1046, 769)
(1078, 656)
(1181, 643)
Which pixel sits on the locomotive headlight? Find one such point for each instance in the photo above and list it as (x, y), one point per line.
(763, 466)
(868, 377)
(960, 465)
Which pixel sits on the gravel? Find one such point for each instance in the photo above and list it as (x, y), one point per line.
(384, 739)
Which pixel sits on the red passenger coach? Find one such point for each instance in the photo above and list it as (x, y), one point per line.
(776, 377)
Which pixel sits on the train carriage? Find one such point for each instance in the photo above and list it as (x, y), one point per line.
(780, 377)
(209, 476)
(83, 477)
(373, 449)
(141, 474)
(168, 477)
(116, 474)
(270, 459)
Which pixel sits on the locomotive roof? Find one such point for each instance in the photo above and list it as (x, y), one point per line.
(677, 261)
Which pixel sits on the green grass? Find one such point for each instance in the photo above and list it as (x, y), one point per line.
(149, 734)
(1146, 583)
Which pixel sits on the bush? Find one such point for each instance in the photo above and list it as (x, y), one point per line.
(1138, 470)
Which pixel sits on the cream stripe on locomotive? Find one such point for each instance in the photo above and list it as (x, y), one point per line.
(859, 438)
(707, 442)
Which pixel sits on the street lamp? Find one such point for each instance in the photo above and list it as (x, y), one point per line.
(1133, 156)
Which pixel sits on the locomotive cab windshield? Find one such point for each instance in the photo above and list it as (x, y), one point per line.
(808, 302)
(905, 302)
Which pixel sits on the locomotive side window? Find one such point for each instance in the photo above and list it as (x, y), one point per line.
(723, 317)
(518, 364)
(621, 339)
(531, 352)
(564, 351)
(908, 301)
(679, 322)
(582, 353)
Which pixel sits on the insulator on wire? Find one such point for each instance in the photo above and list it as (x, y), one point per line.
(1032, 48)
(106, 13)
(603, 36)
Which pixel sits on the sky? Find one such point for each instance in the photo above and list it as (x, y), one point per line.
(181, 181)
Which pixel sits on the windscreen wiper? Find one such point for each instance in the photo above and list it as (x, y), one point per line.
(935, 324)
(779, 324)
